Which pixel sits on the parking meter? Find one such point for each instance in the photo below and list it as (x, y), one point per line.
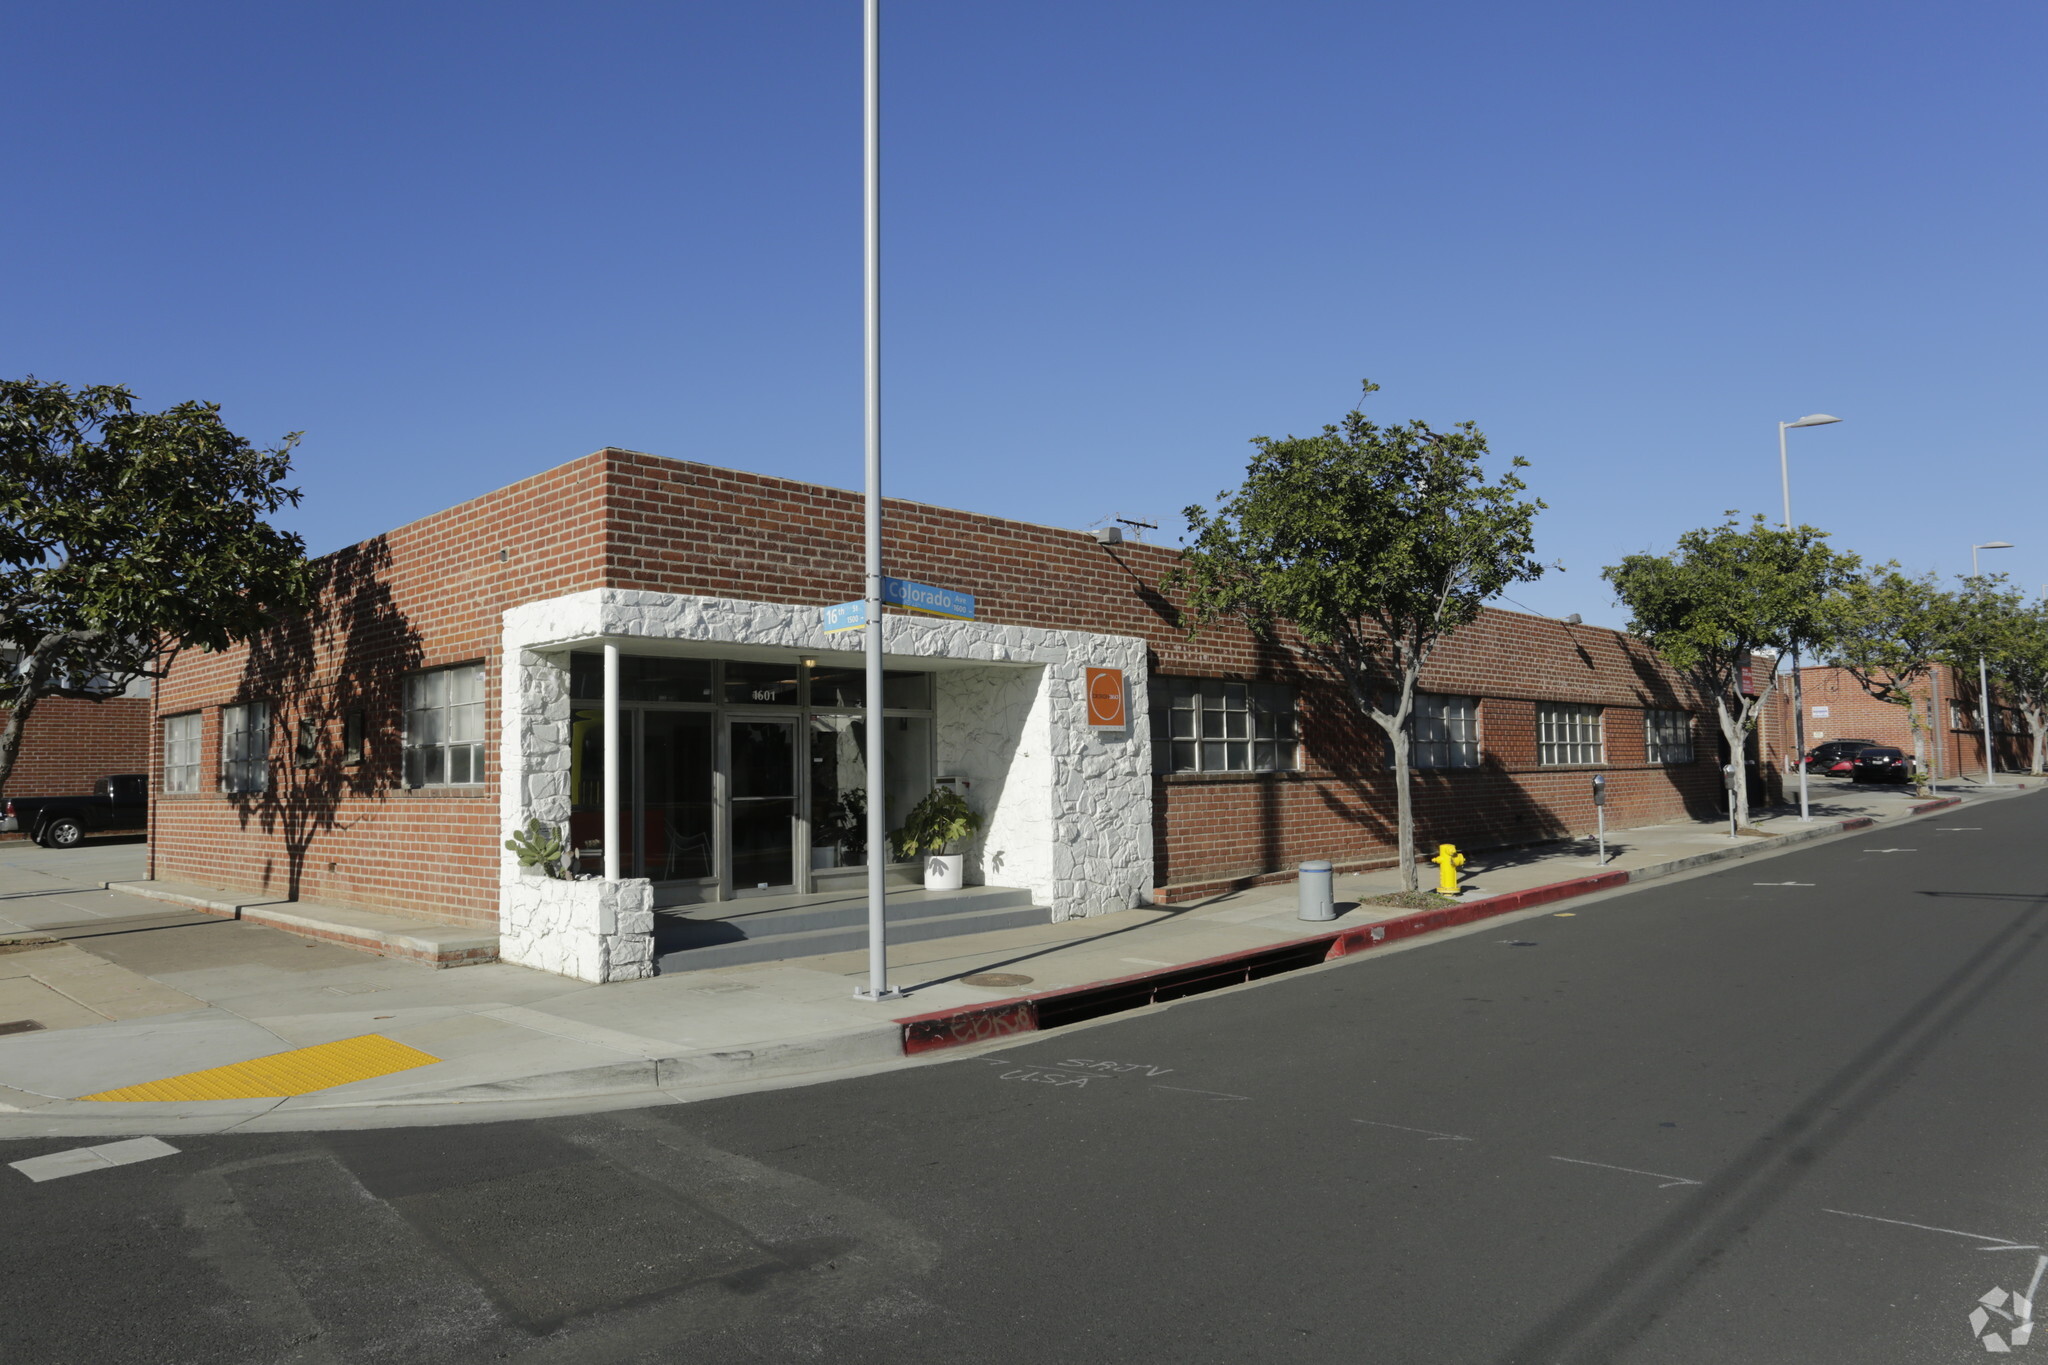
(1600, 812)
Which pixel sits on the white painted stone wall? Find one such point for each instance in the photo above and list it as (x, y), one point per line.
(592, 930)
(1068, 808)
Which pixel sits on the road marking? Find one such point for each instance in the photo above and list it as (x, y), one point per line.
(1956, 829)
(1148, 962)
(2004, 1243)
(1669, 1180)
(1434, 1136)
(1219, 1094)
(1781, 883)
(56, 1165)
(1891, 850)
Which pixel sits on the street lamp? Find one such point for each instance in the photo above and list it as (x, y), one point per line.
(1817, 419)
(1983, 674)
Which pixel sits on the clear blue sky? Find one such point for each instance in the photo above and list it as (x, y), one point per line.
(460, 243)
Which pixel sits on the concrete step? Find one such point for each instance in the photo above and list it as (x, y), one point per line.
(764, 917)
(370, 931)
(840, 938)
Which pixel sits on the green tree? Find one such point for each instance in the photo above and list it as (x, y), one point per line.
(1367, 545)
(2011, 635)
(1890, 632)
(1725, 593)
(126, 537)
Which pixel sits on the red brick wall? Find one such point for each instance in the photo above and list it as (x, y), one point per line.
(423, 596)
(1854, 714)
(69, 745)
(692, 528)
(432, 593)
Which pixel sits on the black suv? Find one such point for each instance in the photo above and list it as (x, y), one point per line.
(1835, 755)
(1878, 764)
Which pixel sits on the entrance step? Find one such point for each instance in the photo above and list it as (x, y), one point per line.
(770, 930)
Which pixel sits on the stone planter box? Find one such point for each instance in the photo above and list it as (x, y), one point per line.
(594, 931)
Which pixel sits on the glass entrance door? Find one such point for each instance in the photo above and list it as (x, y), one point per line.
(762, 785)
(678, 813)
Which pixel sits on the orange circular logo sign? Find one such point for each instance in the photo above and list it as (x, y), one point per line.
(1106, 698)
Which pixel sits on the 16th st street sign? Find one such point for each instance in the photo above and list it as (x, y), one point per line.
(911, 596)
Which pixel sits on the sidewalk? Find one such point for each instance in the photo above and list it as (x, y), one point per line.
(128, 992)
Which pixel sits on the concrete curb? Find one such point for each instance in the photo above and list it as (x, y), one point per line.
(943, 1029)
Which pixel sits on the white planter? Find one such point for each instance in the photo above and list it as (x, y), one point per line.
(943, 871)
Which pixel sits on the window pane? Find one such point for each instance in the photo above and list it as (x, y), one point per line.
(458, 764)
(433, 766)
(415, 767)
(1212, 724)
(1237, 724)
(1182, 724)
(466, 723)
(841, 687)
(760, 684)
(1240, 759)
(907, 691)
(1185, 758)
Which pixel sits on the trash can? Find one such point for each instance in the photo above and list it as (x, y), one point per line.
(1318, 901)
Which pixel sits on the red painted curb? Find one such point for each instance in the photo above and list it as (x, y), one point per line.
(1002, 1018)
(1859, 822)
(1943, 804)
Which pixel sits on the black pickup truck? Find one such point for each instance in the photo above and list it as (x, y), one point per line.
(116, 803)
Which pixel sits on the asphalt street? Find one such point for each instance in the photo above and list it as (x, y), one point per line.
(1789, 1111)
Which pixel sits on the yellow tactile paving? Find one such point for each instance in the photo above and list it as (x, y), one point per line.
(298, 1072)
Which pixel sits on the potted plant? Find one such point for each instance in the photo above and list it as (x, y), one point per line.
(935, 824)
(539, 849)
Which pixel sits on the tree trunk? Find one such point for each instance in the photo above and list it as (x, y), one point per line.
(10, 736)
(1919, 746)
(1404, 809)
(1737, 776)
(2037, 721)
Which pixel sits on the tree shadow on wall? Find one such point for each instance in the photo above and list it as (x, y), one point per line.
(1474, 808)
(1700, 784)
(344, 661)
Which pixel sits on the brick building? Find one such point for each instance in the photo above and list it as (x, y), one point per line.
(450, 686)
(68, 745)
(1838, 707)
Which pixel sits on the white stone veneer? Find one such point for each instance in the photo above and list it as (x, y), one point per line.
(1068, 809)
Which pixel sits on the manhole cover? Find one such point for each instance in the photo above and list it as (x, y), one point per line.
(996, 979)
(21, 1026)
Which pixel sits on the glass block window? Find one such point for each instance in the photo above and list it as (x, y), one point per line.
(444, 727)
(1445, 732)
(1209, 725)
(181, 753)
(1667, 736)
(1567, 733)
(245, 748)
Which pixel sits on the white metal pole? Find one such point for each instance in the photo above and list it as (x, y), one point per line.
(1937, 725)
(1798, 687)
(612, 749)
(871, 234)
(1984, 689)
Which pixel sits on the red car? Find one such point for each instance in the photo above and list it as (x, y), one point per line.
(1837, 757)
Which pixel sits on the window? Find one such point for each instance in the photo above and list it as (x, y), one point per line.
(444, 727)
(306, 752)
(181, 753)
(1667, 736)
(352, 739)
(1567, 732)
(245, 748)
(1446, 732)
(1207, 725)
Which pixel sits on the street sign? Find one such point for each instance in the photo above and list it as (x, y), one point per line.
(923, 597)
(845, 616)
(1106, 706)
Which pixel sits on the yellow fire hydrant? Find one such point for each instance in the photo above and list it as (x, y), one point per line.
(1448, 861)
